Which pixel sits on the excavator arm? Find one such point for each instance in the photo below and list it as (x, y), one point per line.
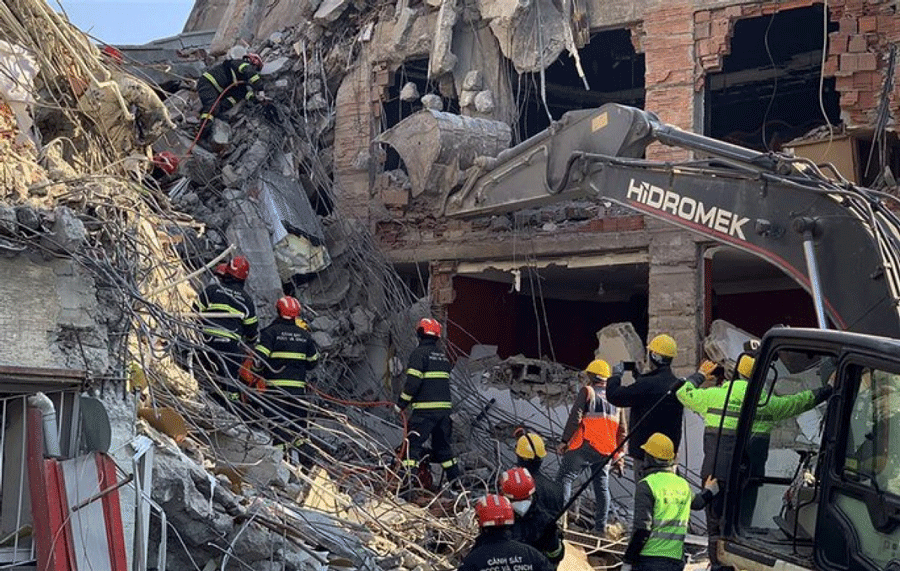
(837, 240)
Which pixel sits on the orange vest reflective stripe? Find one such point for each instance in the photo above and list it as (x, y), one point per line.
(599, 426)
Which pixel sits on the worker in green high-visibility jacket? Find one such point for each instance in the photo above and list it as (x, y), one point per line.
(662, 506)
(721, 420)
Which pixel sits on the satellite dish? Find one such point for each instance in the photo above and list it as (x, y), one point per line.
(95, 425)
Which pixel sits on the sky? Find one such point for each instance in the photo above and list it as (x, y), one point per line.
(127, 22)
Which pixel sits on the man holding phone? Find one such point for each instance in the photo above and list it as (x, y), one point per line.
(651, 391)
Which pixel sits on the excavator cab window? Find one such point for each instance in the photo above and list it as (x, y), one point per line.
(781, 457)
(864, 497)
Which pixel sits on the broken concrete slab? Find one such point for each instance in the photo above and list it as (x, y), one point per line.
(620, 342)
(276, 66)
(441, 59)
(531, 33)
(725, 342)
(330, 10)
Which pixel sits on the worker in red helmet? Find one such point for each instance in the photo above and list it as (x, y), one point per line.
(224, 85)
(427, 393)
(229, 323)
(494, 547)
(286, 352)
(535, 519)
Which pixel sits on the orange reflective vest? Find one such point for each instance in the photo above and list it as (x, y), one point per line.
(599, 425)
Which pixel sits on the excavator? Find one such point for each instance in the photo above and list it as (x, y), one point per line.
(825, 494)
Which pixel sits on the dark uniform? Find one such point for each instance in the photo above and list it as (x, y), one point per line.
(537, 527)
(494, 549)
(239, 78)
(548, 491)
(427, 393)
(640, 397)
(223, 335)
(289, 352)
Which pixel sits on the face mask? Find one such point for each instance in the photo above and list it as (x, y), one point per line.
(521, 507)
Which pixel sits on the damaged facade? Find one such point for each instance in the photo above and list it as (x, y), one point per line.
(435, 85)
(383, 108)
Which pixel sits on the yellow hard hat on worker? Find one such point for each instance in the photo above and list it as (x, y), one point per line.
(659, 446)
(600, 368)
(663, 345)
(745, 366)
(530, 446)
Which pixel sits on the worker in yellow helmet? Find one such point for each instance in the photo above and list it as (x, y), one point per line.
(652, 392)
(720, 407)
(662, 507)
(594, 430)
(530, 454)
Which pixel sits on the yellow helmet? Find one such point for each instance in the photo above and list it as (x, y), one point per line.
(659, 446)
(745, 366)
(529, 446)
(600, 368)
(663, 345)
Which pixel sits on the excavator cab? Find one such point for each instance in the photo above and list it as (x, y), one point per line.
(817, 487)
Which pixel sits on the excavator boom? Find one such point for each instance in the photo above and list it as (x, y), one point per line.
(837, 240)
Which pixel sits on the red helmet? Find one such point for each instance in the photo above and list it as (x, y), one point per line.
(167, 161)
(517, 484)
(428, 326)
(494, 510)
(288, 307)
(238, 267)
(254, 59)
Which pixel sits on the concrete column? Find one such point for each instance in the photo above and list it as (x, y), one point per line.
(676, 292)
(353, 131)
(440, 288)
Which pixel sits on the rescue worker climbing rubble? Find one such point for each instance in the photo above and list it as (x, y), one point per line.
(287, 352)
(530, 454)
(662, 508)
(652, 391)
(494, 548)
(228, 323)
(535, 523)
(595, 429)
(720, 407)
(427, 392)
(224, 85)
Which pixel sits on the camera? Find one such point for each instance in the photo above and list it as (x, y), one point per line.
(629, 366)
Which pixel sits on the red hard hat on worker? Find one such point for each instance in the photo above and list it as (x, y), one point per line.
(429, 326)
(238, 268)
(288, 307)
(517, 484)
(494, 510)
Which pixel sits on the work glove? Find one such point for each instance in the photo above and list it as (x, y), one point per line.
(561, 448)
(625, 567)
(822, 393)
(708, 369)
(618, 467)
(618, 368)
(712, 485)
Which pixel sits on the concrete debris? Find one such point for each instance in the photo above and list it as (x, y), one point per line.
(432, 102)
(410, 92)
(67, 233)
(725, 342)
(484, 102)
(619, 342)
(441, 59)
(330, 10)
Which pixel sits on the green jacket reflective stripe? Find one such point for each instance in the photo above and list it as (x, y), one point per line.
(671, 512)
(710, 403)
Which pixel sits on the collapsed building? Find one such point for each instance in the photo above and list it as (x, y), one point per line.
(382, 108)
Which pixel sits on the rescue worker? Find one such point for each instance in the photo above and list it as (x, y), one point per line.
(229, 321)
(595, 428)
(720, 419)
(662, 508)
(239, 80)
(653, 391)
(535, 522)
(530, 454)
(288, 352)
(427, 393)
(494, 548)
